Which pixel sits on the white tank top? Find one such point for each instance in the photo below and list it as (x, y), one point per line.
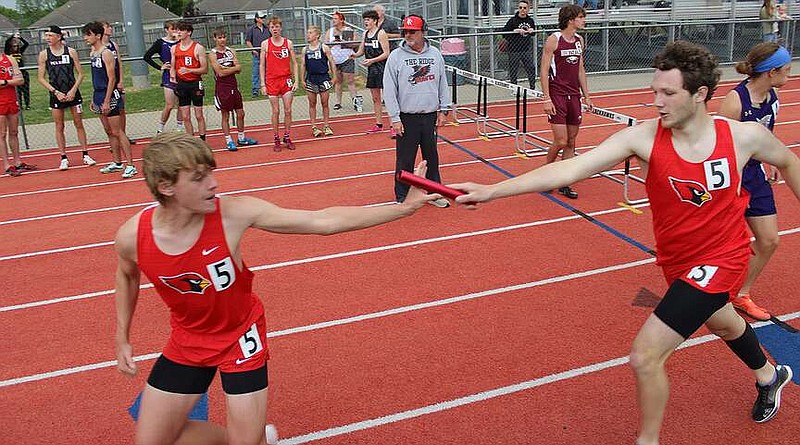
(340, 55)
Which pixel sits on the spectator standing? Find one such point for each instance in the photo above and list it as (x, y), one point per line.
(227, 97)
(254, 37)
(64, 76)
(388, 25)
(375, 49)
(163, 47)
(315, 70)
(520, 43)
(345, 66)
(10, 78)
(15, 47)
(417, 100)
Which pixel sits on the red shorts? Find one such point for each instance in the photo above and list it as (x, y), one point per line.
(228, 99)
(248, 353)
(568, 110)
(6, 109)
(709, 277)
(278, 86)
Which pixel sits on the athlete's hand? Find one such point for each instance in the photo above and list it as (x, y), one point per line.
(106, 108)
(69, 97)
(125, 362)
(366, 62)
(166, 66)
(416, 197)
(183, 70)
(398, 128)
(588, 102)
(549, 108)
(475, 193)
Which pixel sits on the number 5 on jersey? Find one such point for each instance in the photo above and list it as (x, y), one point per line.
(222, 273)
(250, 343)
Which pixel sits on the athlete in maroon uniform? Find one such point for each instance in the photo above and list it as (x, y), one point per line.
(693, 164)
(227, 96)
(188, 247)
(279, 77)
(563, 79)
(10, 78)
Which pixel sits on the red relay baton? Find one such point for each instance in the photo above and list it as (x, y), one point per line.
(428, 185)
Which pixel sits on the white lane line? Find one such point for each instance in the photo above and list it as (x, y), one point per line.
(354, 319)
(487, 395)
(336, 255)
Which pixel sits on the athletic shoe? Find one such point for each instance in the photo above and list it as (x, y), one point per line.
(337, 107)
(271, 434)
(375, 129)
(745, 304)
(393, 133)
(26, 167)
(129, 172)
(277, 146)
(769, 397)
(568, 192)
(112, 167)
(87, 160)
(13, 171)
(64, 164)
(231, 146)
(440, 203)
(287, 141)
(328, 131)
(247, 141)
(316, 132)
(132, 141)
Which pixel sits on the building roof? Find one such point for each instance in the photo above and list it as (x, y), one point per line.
(79, 12)
(6, 24)
(227, 6)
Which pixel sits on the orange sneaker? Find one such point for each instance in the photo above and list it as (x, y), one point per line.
(745, 304)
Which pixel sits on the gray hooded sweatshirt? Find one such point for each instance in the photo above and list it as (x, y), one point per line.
(415, 82)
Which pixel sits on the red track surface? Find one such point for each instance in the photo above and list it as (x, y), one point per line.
(563, 332)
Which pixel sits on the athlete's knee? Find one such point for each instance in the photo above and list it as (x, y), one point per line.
(645, 360)
(766, 244)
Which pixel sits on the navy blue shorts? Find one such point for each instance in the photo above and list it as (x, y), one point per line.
(762, 200)
(117, 102)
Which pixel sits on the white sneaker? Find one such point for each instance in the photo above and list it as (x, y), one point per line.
(64, 164)
(271, 434)
(87, 160)
(129, 172)
(111, 168)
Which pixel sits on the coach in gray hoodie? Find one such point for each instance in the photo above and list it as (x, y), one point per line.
(418, 100)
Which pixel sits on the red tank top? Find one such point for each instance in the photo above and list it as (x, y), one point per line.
(698, 207)
(210, 298)
(8, 94)
(565, 67)
(278, 59)
(186, 58)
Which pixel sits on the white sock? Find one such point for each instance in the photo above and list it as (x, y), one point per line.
(161, 126)
(241, 136)
(228, 138)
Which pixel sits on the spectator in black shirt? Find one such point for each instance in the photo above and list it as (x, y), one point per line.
(520, 44)
(15, 48)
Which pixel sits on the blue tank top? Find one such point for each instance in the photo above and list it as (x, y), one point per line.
(317, 68)
(166, 50)
(113, 49)
(764, 113)
(99, 74)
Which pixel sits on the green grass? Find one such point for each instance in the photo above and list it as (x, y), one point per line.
(149, 99)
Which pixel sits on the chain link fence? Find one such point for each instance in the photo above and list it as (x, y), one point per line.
(619, 46)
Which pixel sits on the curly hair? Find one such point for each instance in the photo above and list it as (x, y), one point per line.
(698, 67)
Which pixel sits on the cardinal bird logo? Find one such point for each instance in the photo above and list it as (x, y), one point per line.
(690, 191)
(420, 74)
(187, 283)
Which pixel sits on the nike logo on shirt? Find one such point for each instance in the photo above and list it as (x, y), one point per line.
(239, 361)
(209, 251)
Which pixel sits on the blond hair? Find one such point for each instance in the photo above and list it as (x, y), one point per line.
(168, 154)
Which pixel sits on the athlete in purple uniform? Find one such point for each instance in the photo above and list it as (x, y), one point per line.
(563, 80)
(767, 67)
(163, 47)
(227, 96)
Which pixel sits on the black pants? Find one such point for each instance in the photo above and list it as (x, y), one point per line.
(526, 58)
(419, 130)
(24, 91)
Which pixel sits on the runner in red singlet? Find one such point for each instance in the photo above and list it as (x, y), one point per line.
(279, 77)
(563, 80)
(187, 66)
(188, 246)
(693, 164)
(10, 78)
